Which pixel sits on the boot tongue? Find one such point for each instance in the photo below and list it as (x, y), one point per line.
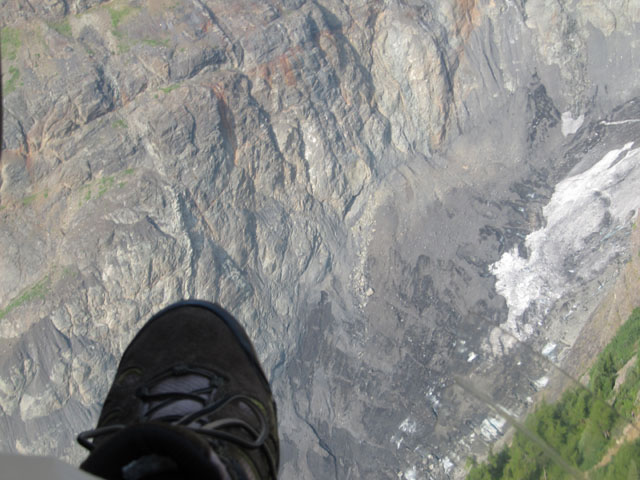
(170, 397)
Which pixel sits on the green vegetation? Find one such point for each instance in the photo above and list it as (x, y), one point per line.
(118, 14)
(104, 185)
(119, 123)
(37, 290)
(625, 400)
(28, 200)
(98, 188)
(123, 47)
(10, 40)
(615, 356)
(581, 427)
(11, 84)
(69, 272)
(170, 88)
(624, 466)
(39, 36)
(156, 43)
(577, 428)
(63, 27)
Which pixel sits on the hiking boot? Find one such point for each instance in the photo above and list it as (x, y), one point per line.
(189, 400)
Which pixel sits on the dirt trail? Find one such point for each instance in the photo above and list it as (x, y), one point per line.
(630, 433)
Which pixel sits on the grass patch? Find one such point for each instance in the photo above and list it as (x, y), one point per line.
(104, 185)
(12, 83)
(10, 40)
(119, 124)
(119, 14)
(123, 47)
(156, 43)
(63, 27)
(37, 290)
(170, 88)
(28, 200)
(98, 188)
(69, 272)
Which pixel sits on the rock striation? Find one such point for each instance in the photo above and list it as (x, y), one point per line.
(341, 175)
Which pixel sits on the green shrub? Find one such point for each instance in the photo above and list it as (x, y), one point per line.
(63, 27)
(11, 84)
(615, 355)
(625, 465)
(170, 88)
(37, 290)
(118, 14)
(10, 41)
(626, 398)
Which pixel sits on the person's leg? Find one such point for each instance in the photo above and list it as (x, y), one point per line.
(189, 400)
(21, 467)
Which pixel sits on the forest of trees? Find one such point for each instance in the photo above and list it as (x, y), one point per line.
(581, 427)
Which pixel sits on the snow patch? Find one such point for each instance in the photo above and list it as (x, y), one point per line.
(411, 473)
(447, 464)
(570, 125)
(491, 428)
(585, 211)
(408, 426)
(548, 349)
(541, 382)
(397, 440)
(432, 397)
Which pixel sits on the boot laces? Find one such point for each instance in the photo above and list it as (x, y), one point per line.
(185, 396)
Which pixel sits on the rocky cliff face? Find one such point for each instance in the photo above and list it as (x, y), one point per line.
(343, 176)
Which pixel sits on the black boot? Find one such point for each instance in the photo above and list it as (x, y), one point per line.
(189, 400)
